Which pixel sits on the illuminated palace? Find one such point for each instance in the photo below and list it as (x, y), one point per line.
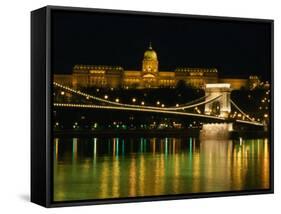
(148, 77)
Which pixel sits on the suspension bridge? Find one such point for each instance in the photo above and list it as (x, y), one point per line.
(216, 95)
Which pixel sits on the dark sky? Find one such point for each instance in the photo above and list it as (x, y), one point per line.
(237, 49)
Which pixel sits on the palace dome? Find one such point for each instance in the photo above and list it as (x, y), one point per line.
(150, 54)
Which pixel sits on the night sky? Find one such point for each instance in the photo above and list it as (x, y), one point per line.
(236, 49)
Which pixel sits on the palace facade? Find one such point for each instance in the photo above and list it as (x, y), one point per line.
(102, 76)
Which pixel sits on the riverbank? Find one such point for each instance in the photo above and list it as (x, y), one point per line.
(153, 133)
(130, 133)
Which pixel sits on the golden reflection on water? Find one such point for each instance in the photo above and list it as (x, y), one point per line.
(132, 178)
(196, 179)
(103, 182)
(111, 168)
(115, 179)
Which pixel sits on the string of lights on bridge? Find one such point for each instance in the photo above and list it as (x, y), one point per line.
(134, 109)
(175, 108)
(170, 110)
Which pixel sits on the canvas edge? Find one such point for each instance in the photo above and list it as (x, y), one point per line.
(38, 188)
(50, 203)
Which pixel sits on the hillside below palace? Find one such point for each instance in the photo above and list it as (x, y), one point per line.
(103, 76)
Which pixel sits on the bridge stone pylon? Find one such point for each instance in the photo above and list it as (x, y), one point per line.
(221, 106)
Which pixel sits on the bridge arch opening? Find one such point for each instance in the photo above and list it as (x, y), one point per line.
(222, 105)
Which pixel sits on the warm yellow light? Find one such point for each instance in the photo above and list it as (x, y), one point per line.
(162, 105)
(218, 85)
(105, 97)
(117, 100)
(177, 105)
(265, 115)
(158, 102)
(142, 103)
(62, 93)
(134, 100)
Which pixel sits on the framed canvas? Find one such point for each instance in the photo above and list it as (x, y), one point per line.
(137, 106)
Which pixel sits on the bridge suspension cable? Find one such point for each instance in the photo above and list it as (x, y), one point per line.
(135, 109)
(137, 106)
(169, 110)
(87, 106)
(191, 102)
(240, 110)
(195, 105)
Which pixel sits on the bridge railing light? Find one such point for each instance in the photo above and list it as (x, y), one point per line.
(139, 107)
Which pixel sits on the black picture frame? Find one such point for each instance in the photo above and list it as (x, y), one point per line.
(41, 109)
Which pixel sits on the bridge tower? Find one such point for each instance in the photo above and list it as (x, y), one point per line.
(221, 106)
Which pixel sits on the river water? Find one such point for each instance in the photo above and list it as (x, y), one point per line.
(99, 168)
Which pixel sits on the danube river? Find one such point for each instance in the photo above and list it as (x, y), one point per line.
(98, 168)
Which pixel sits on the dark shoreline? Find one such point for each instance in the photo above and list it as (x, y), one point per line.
(131, 133)
(152, 133)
